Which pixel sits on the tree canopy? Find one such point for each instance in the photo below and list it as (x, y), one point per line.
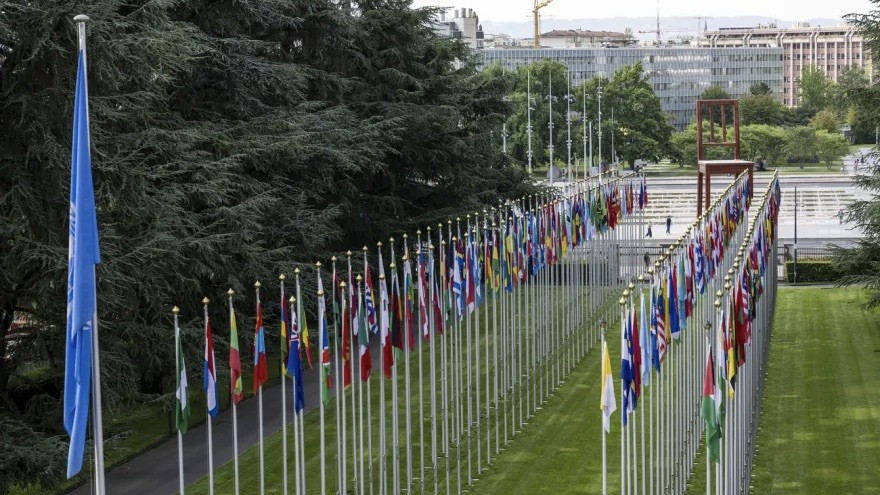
(229, 140)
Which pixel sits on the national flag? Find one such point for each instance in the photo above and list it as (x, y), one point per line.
(385, 321)
(408, 304)
(346, 344)
(396, 326)
(423, 295)
(304, 336)
(636, 354)
(284, 343)
(458, 281)
(645, 343)
(235, 386)
(660, 334)
(261, 368)
(708, 408)
(365, 362)
(83, 255)
(673, 322)
(699, 273)
(680, 283)
(607, 402)
(210, 372)
(181, 406)
(323, 334)
(294, 364)
(370, 303)
(627, 401)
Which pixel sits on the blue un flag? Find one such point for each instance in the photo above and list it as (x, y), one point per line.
(81, 304)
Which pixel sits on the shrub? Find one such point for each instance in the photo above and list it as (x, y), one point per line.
(810, 271)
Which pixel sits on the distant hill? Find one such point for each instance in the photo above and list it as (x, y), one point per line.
(671, 27)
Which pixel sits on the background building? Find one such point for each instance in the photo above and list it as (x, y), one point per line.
(578, 38)
(829, 48)
(678, 74)
(464, 25)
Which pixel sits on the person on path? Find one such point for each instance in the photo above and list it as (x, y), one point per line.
(647, 261)
(668, 224)
(649, 234)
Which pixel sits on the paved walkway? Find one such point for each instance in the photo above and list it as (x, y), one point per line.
(155, 471)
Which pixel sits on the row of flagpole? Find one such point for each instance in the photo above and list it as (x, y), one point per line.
(693, 285)
(497, 309)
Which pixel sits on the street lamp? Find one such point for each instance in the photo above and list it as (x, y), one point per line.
(550, 98)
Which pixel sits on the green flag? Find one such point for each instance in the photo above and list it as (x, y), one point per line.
(708, 409)
(181, 405)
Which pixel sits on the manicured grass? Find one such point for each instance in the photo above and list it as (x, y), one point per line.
(820, 420)
(508, 407)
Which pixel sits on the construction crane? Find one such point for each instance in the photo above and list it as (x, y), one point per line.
(539, 4)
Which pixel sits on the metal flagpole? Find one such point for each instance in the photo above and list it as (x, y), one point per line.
(298, 417)
(297, 477)
(529, 116)
(407, 279)
(360, 389)
(584, 121)
(444, 394)
(337, 384)
(97, 416)
(568, 121)
(356, 473)
(420, 267)
(468, 337)
(208, 418)
(283, 400)
(369, 393)
(260, 409)
(181, 398)
(495, 304)
(322, 328)
(433, 325)
(487, 254)
(383, 341)
(602, 327)
(231, 293)
(395, 434)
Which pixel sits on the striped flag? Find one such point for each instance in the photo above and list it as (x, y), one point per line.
(294, 364)
(236, 388)
(261, 368)
(326, 377)
(210, 372)
(181, 406)
(385, 321)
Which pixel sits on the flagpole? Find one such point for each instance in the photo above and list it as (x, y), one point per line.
(209, 421)
(369, 382)
(407, 271)
(283, 399)
(298, 480)
(181, 484)
(420, 267)
(360, 389)
(260, 409)
(322, 328)
(433, 292)
(231, 293)
(353, 382)
(383, 337)
(301, 488)
(97, 416)
(602, 328)
(341, 466)
(395, 406)
(467, 348)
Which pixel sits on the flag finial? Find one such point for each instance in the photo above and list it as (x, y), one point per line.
(296, 271)
(292, 300)
(205, 300)
(230, 292)
(81, 18)
(281, 277)
(175, 310)
(257, 284)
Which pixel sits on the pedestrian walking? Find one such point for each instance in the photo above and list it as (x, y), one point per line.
(668, 224)
(647, 261)
(649, 234)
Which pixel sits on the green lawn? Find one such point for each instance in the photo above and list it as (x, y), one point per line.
(508, 407)
(820, 424)
(820, 421)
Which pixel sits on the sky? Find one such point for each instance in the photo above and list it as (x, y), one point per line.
(787, 10)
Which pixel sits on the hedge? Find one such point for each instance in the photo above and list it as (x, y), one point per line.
(810, 271)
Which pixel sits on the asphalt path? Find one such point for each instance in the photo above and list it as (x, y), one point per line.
(155, 471)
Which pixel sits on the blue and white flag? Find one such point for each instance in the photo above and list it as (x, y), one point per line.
(81, 297)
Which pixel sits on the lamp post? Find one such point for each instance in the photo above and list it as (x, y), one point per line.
(599, 96)
(550, 126)
(529, 116)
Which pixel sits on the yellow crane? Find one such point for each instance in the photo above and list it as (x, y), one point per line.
(539, 4)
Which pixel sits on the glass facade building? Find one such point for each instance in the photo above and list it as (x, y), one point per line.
(679, 75)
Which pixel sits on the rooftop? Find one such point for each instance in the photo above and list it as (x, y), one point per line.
(571, 33)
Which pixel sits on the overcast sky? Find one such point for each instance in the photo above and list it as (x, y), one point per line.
(789, 10)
